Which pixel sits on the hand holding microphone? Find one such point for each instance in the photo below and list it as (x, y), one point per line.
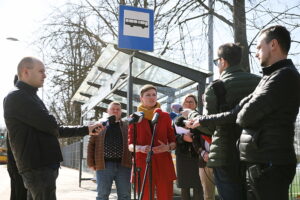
(95, 129)
(193, 123)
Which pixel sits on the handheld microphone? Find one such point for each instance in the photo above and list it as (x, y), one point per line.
(110, 120)
(156, 112)
(180, 121)
(136, 117)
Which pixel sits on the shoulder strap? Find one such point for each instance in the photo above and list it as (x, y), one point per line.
(220, 92)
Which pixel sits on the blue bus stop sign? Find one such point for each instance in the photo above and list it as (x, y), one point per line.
(136, 28)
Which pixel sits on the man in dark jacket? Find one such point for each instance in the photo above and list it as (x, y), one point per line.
(267, 117)
(224, 156)
(17, 188)
(33, 132)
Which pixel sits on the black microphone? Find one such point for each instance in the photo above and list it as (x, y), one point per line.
(180, 121)
(110, 120)
(156, 112)
(136, 117)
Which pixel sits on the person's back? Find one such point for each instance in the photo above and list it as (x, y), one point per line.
(238, 84)
(224, 156)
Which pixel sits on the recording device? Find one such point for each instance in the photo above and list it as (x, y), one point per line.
(110, 120)
(156, 112)
(180, 121)
(136, 117)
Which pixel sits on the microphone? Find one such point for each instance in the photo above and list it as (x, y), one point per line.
(156, 112)
(110, 120)
(180, 121)
(136, 117)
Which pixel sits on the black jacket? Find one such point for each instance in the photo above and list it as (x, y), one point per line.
(268, 117)
(32, 131)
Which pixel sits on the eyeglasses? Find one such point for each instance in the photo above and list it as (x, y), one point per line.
(190, 102)
(216, 61)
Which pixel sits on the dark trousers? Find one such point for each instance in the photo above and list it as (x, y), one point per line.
(197, 194)
(270, 182)
(41, 183)
(17, 188)
(230, 182)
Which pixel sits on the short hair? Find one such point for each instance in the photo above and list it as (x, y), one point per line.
(147, 87)
(114, 103)
(231, 52)
(190, 95)
(279, 33)
(27, 62)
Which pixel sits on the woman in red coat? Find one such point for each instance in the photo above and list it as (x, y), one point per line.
(163, 172)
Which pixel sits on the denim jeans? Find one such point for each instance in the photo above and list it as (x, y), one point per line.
(228, 184)
(113, 172)
(40, 183)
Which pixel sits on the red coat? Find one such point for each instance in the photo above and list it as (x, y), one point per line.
(162, 164)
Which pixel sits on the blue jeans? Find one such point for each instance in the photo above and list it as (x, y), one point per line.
(229, 183)
(113, 172)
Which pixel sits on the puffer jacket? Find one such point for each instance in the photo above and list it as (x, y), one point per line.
(33, 132)
(268, 117)
(238, 84)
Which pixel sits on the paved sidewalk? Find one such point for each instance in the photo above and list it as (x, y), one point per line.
(67, 185)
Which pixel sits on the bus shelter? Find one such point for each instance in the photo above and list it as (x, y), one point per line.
(119, 74)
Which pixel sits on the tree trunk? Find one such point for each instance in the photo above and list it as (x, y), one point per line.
(240, 33)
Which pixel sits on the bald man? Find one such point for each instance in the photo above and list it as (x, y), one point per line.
(33, 132)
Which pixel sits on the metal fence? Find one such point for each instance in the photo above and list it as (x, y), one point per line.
(71, 155)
